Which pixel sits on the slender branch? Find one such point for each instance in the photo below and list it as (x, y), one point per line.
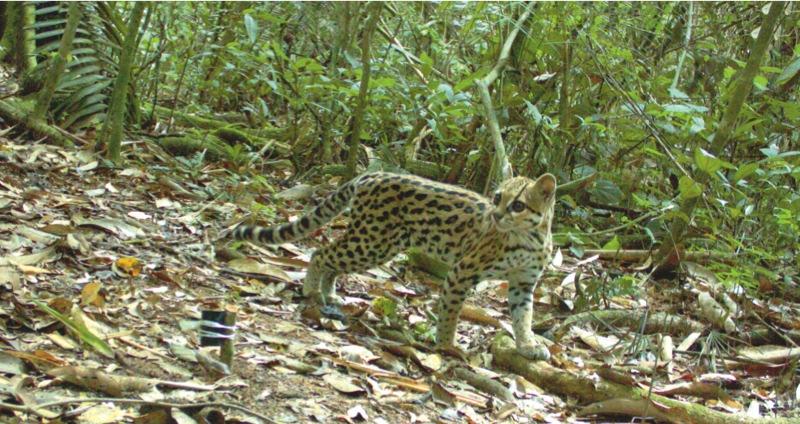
(744, 83)
(355, 135)
(413, 61)
(686, 41)
(58, 62)
(636, 109)
(501, 159)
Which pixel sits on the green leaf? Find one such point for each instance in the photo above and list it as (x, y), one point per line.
(745, 171)
(80, 329)
(469, 80)
(382, 82)
(789, 72)
(698, 124)
(685, 108)
(728, 72)
(606, 192)
(761, 82)
(706, 162)
(533, 112)
(689, 188)
(613, 244)
(251, 26)
(677, 94)
(384, 307)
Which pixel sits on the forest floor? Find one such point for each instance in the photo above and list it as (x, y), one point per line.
(128, 258)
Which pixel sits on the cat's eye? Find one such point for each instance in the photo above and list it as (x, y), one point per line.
(517, 206)
(496, 199)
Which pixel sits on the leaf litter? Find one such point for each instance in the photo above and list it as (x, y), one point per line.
(102, 273)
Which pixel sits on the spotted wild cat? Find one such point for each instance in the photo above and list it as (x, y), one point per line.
(506, 239)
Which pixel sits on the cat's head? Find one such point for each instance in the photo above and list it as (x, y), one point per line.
(522, 204)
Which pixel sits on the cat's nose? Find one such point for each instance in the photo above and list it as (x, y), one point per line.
(497, 215)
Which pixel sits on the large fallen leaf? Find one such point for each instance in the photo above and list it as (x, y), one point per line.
(102, 414)
(254, 267)
(11, 364)
(9, 275)
(45, 255)
(595, 341)
(90, 294)
(117, 227)
(356, 353)
(342, 383)
(773, 354)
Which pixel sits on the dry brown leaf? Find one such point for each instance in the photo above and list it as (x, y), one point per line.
(254, 267)
(48, 254)
(343, 383)
(90, 295)
(102, 414)
(128, 266)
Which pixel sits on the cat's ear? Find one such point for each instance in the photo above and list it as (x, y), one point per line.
(546, 185)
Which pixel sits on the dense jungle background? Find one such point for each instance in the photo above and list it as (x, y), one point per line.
(135, 135)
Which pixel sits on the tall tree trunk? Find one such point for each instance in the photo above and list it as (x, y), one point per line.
(58, 62)
(344, 12)
(668, 256)
(111, 134)
(373, 13)
(3, 10)
(229, 19)
(19, 44)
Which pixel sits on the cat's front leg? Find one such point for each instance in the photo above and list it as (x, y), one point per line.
(520, 302)
(458, 284)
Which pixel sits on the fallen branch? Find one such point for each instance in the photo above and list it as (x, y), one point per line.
(484, 384)
(10, 111)
(587, 388)
(405, 383)
(259, 137)
(633, 255)
(658, 322)
(34, 409)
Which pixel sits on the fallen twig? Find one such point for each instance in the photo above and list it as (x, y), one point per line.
(484, 384)
(588, 389)
(33, 409)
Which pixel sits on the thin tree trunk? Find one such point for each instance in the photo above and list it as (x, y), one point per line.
(686, 40)
(501, 159)
(342, 41)
(18, 42)
(667, 256)
(564, 109)
(111, 134)
(58, 62)
(355, 135)
(229, 18)
(3, 11)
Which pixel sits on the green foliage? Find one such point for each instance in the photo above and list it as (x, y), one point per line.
(82, 94)
(385, 307)
(595, 88)
(598, 291)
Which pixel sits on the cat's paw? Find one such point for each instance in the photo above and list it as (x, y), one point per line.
(534, 352)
